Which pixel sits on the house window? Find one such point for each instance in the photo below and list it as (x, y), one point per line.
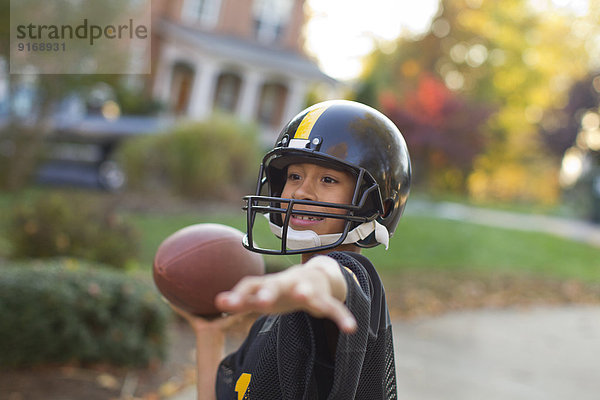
(204, 12)
(270, 19)
(272, 103)
(228, 89)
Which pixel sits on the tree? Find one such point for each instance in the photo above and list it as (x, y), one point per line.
(573, 135)
(443, 137)
(561, 125)
(507, 56)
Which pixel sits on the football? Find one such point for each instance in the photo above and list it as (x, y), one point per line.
(195, 263)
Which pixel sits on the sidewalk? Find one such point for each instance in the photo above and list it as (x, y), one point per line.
(516, 354)
(581, 231)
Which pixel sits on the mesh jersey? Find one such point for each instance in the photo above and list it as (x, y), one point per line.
(287, 356)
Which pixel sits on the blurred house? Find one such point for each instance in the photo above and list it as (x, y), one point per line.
(239, 56)
(244, 57)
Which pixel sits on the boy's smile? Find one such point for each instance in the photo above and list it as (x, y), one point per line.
(313, 182)
(304, 220)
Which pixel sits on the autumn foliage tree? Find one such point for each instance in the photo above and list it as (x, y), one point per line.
(442, 130)
(508, 61)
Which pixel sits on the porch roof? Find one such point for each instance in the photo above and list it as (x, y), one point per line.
(279, 60)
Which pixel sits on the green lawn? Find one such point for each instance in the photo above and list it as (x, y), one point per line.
(424, 243)
(155, 228)
(419, 243)
(431, 242)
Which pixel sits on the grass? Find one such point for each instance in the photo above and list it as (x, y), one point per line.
(424, 243)
(155, 228)
(420, 243)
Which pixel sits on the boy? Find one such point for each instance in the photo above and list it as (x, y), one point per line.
(336, 181)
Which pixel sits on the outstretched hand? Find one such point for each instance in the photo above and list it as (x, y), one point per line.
(317, 287)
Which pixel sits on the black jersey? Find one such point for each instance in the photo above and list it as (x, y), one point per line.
(287, 356)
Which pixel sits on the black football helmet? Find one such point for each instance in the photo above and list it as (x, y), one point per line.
(342, 135)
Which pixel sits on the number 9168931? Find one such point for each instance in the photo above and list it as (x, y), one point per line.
(41, 47)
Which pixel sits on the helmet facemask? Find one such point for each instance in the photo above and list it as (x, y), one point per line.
(359, 216)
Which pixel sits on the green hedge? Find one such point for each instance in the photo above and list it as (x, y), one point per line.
(72, 225)
(66, 311)
(213, 159)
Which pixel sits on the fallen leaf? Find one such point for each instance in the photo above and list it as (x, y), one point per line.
(107, 381)
(169, 389)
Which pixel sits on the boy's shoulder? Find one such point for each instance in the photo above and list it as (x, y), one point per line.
(353, 261)
(363, 260)
(369, 282)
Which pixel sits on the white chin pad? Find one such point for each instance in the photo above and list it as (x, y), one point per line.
(306, 239)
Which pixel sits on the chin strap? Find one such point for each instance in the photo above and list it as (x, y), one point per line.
(297, 240)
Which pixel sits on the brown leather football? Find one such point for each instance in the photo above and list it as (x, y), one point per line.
(197, 262)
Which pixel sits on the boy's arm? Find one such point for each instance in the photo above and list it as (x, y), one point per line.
(210, 344)
(210, 349)
(317, 287)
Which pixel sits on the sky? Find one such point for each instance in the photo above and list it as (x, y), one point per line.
(341, 32)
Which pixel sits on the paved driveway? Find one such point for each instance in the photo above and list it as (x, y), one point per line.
(513, 354)
(569, 228)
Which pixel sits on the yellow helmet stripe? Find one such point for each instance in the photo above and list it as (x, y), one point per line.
(303, 131)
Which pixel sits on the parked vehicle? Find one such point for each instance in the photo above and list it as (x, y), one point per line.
(80, 152)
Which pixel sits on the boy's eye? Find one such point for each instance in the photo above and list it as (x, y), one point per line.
(328, 179)
(293, 177)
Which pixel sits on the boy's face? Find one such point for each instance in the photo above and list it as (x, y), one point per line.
(313, 182)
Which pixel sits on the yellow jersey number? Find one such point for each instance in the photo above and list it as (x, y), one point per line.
(241, 386)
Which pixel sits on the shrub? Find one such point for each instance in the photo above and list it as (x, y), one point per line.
(204, 160)
(20, 149)
(134, 102)
(66, 311)
(77, 226)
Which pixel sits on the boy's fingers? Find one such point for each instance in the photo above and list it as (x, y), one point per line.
(251, 294)
(336, 311)
(247, 285)
(280, 293)
(267, 295)
(234, 299)
(346, 321)
(226, 300)
(325, 306)
(302, 291)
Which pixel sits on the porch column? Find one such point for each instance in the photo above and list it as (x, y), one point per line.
(203, 89)
(164, 76)
(249, 95)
